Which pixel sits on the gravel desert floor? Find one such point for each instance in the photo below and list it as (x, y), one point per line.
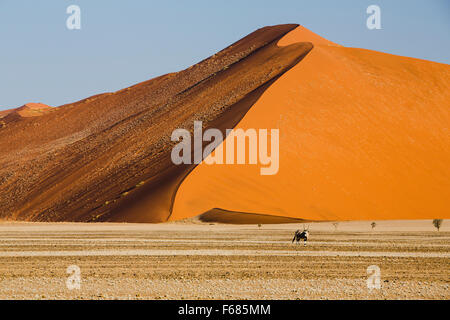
(215, 261)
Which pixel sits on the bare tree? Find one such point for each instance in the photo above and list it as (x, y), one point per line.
(373, 225)
(437, 223)
(335, 225)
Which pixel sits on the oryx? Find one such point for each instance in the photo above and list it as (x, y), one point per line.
(299, 235)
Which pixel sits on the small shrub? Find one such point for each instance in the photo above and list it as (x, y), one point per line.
(437, 223)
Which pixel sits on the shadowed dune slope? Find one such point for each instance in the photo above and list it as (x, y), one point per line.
(231, 217)
(107, 157)
(363, 135)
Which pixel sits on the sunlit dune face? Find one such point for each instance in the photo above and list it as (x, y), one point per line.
(363, 135)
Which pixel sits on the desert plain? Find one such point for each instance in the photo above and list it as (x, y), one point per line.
(195, 260)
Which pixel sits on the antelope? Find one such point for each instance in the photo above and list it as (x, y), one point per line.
(301, 235)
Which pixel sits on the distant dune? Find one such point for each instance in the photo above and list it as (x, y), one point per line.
(25, 111)
(363, 135)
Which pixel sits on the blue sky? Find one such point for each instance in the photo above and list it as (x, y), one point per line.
(125, 42)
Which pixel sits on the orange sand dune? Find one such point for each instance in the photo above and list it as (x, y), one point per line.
(108, 157)
(28, 110)
(33, 110)
(363, 135)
